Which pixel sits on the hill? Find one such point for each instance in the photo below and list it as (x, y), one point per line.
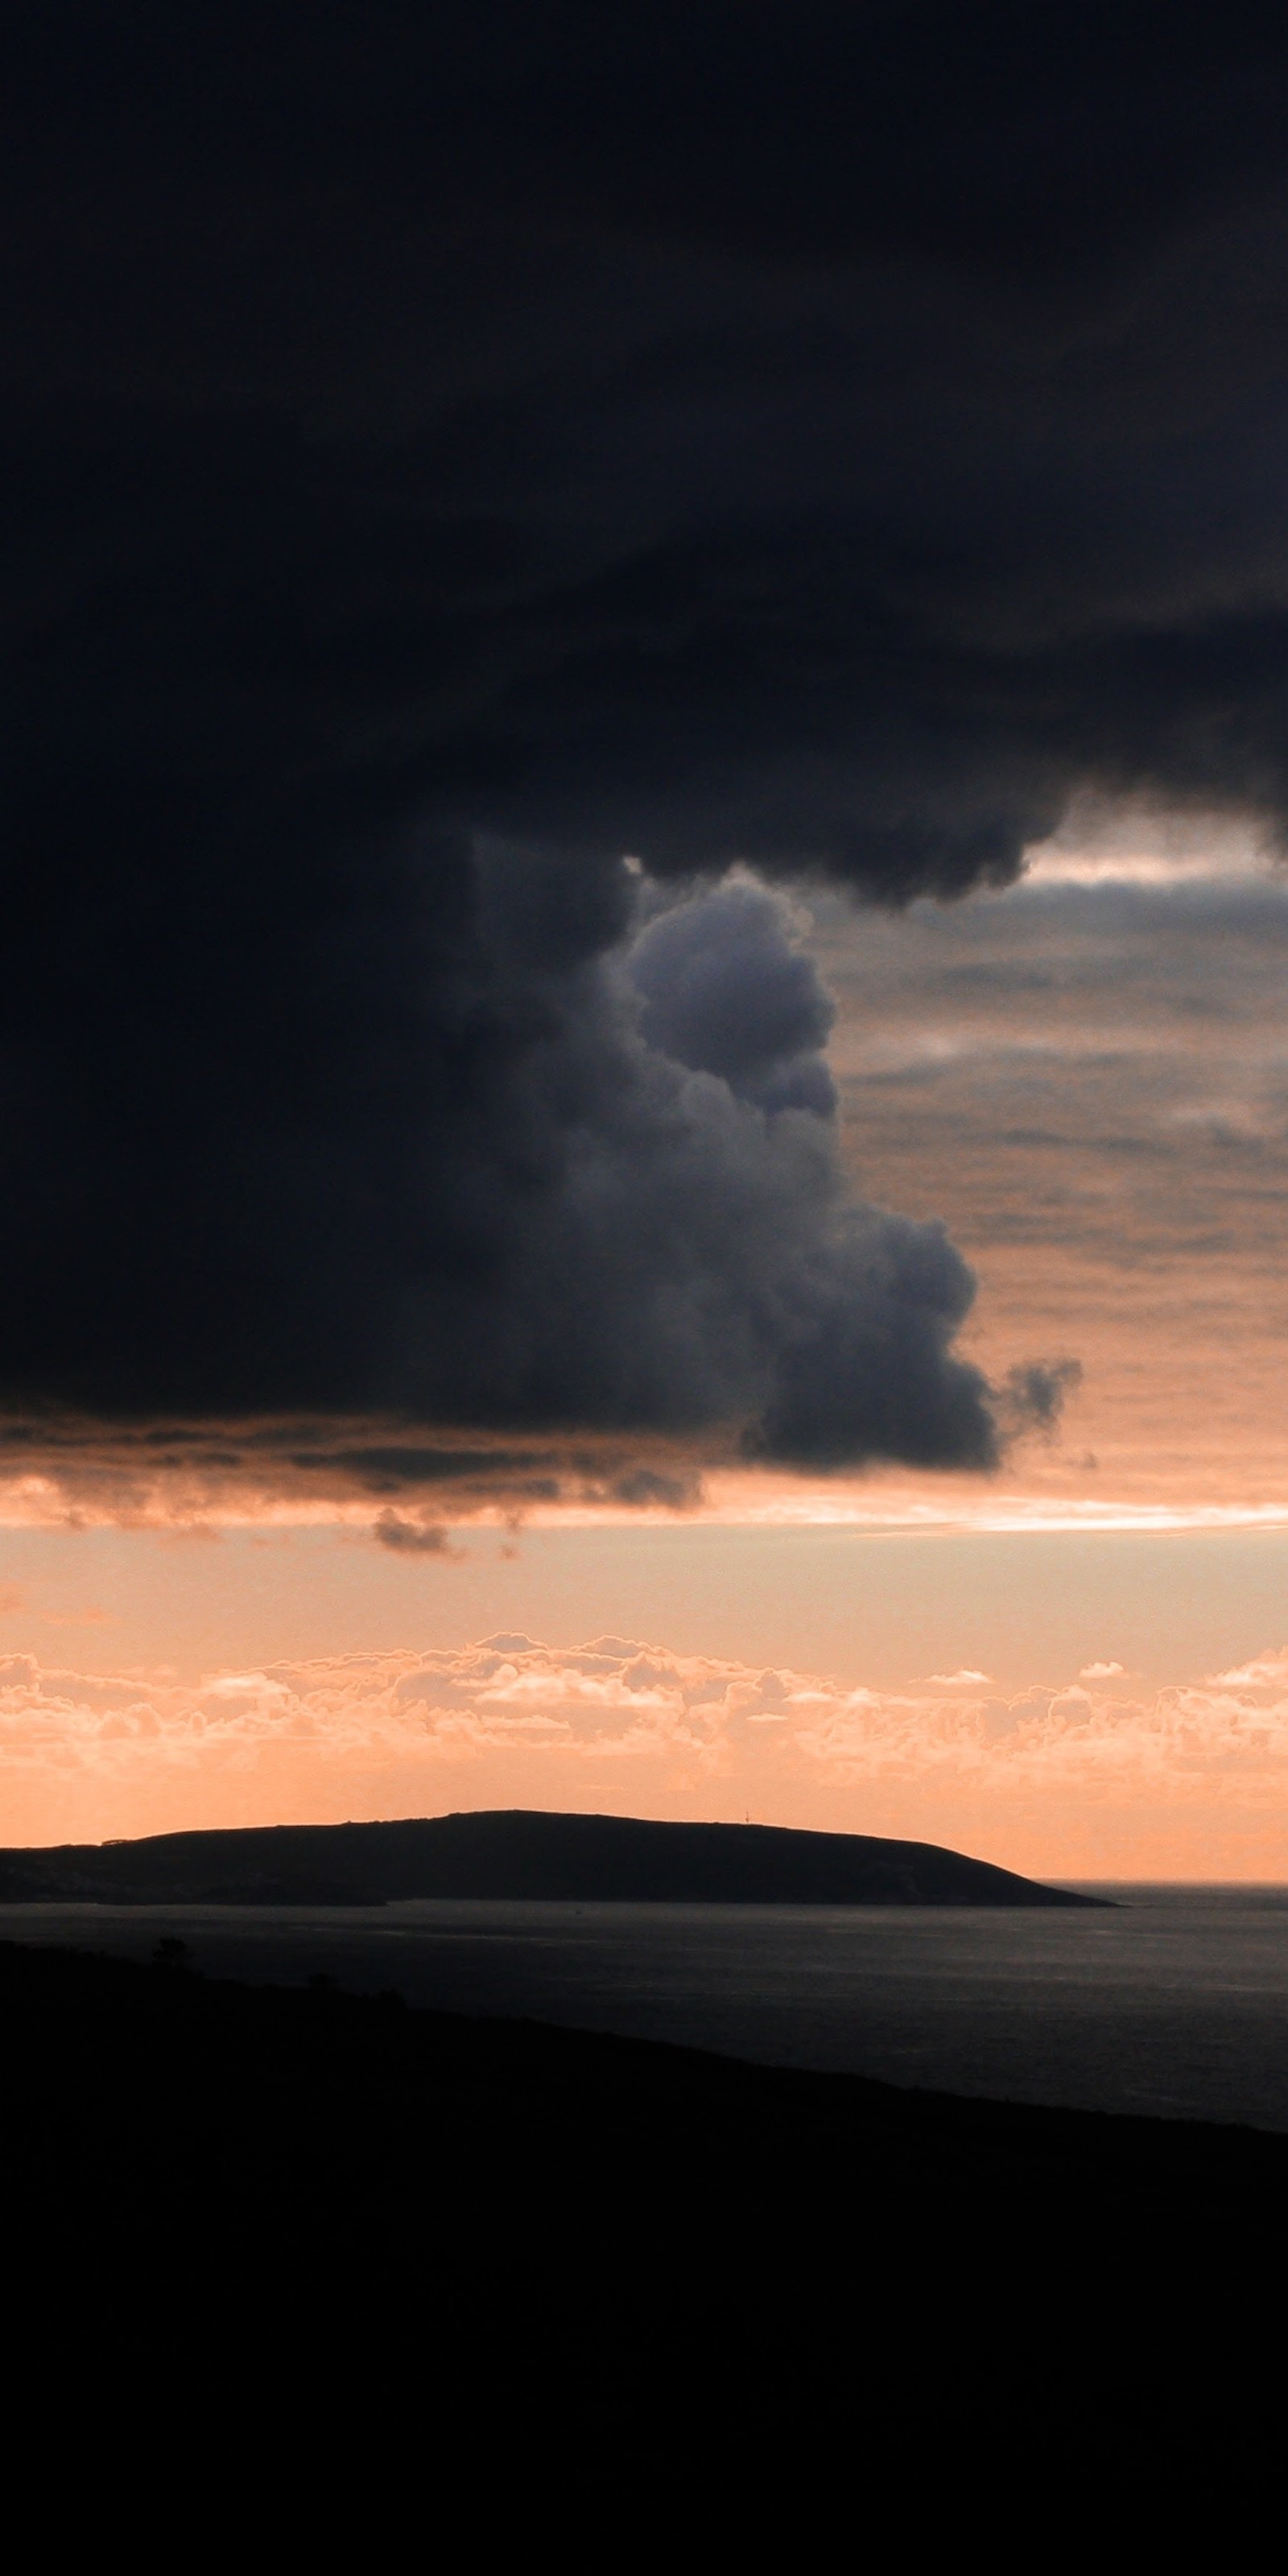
(515, 1853)
(314, 2247)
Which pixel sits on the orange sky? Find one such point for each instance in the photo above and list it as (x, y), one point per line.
(1098, 1774)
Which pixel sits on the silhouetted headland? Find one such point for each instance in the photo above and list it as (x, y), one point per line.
(515, 1853)
(259, 2234)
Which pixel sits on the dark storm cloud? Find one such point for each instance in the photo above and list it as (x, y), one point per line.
(474, 1192)
(443, 451)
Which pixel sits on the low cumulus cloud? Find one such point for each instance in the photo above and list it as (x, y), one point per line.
(626, 1725)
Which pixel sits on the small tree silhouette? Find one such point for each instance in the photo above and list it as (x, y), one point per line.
(171, 1953)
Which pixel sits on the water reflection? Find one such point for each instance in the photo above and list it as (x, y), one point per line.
(1174, 2003)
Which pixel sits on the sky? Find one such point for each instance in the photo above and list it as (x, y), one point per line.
(643, 1109)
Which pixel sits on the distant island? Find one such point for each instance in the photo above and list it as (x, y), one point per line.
(513, 1853)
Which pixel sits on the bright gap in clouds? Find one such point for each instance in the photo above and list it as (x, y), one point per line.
(1133, 843)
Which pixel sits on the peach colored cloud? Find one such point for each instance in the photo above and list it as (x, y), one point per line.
(1073, 1779)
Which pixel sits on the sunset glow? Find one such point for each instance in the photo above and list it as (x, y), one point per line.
(1091, 1778)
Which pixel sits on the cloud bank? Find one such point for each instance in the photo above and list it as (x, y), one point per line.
(1079, 1778)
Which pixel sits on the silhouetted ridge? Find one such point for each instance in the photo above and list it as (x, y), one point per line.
(517, 1852)
(316, 2249)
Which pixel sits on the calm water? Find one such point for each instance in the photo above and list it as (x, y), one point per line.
(1175, 2003)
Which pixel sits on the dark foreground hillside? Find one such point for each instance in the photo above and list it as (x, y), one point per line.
(515, 1852)
(282, 2264)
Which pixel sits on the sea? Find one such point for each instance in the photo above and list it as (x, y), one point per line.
(1171, 2001)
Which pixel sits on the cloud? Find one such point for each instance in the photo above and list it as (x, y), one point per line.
(1078, 1780)
(1033, 1395)
(581, 1233)
(536, 440)
(415, 1538)
(726, 991)
(1263, 1672)
(616, 1699)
